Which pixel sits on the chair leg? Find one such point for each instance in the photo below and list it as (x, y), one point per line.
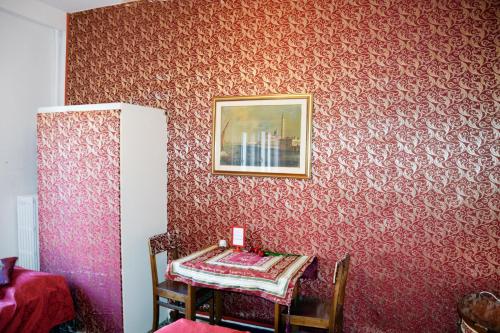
(212, 310)
(218, 306)
(277, 317)
(190, 303)
(156, 312)
(174, 315)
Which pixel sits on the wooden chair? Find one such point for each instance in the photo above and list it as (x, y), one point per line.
(310, 312)
(178, 294)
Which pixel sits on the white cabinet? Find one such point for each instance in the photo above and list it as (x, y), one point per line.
(102, 188)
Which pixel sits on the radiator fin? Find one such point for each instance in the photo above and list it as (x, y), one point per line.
(27, 232)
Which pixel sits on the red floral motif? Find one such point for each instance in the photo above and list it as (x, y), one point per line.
(244, 259)
(79, 211)
(405, 137)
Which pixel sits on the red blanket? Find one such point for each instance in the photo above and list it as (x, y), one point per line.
(34, 302)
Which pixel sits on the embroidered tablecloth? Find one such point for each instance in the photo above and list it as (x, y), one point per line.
(272, 277)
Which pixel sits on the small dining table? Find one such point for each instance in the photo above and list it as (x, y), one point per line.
(274, 277)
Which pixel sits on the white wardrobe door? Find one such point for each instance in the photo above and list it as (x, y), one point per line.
(143, 167)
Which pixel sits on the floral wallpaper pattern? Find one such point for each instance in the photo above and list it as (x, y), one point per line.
(79, 211)
(406, 127)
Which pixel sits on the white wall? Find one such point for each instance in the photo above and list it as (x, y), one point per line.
(31, 68)
(36, 11)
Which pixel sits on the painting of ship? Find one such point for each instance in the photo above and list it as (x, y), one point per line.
(261, 136)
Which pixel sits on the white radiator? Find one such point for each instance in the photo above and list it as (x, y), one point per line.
(27, 232)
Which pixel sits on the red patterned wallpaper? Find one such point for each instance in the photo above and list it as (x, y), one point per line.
(79, 211)
(405, 142)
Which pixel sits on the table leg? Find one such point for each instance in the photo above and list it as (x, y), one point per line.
(296, 292)
(191, 303)
(277, 317)
(218, 306)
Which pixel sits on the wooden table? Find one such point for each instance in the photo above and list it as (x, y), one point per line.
(275, 278)
(480, 312)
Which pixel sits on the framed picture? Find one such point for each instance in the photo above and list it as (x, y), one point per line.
(238, 237)
(262, 135)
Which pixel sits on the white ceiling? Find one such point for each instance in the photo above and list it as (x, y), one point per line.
(71, 6)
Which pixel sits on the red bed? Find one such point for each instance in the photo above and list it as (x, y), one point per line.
(34, 302)
(188, 326)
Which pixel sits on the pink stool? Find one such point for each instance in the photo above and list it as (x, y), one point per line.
(188, 326)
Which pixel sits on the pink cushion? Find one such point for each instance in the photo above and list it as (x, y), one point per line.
(188, 326)
(6, 267)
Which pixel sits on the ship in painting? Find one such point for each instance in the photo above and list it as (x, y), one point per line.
(268, 148)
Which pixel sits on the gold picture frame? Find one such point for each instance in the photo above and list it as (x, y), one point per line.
(264, 135)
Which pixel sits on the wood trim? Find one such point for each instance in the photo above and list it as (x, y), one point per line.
(66, 62)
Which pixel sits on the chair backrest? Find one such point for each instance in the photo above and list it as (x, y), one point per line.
(158, 244)
(340, 281)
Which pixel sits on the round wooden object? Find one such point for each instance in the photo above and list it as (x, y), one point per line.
(480, 312)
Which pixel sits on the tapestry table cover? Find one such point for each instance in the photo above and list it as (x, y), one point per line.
(273, 277)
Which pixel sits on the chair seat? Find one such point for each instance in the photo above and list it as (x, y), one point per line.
(178, 291)
(310, 312)
(173, 286)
